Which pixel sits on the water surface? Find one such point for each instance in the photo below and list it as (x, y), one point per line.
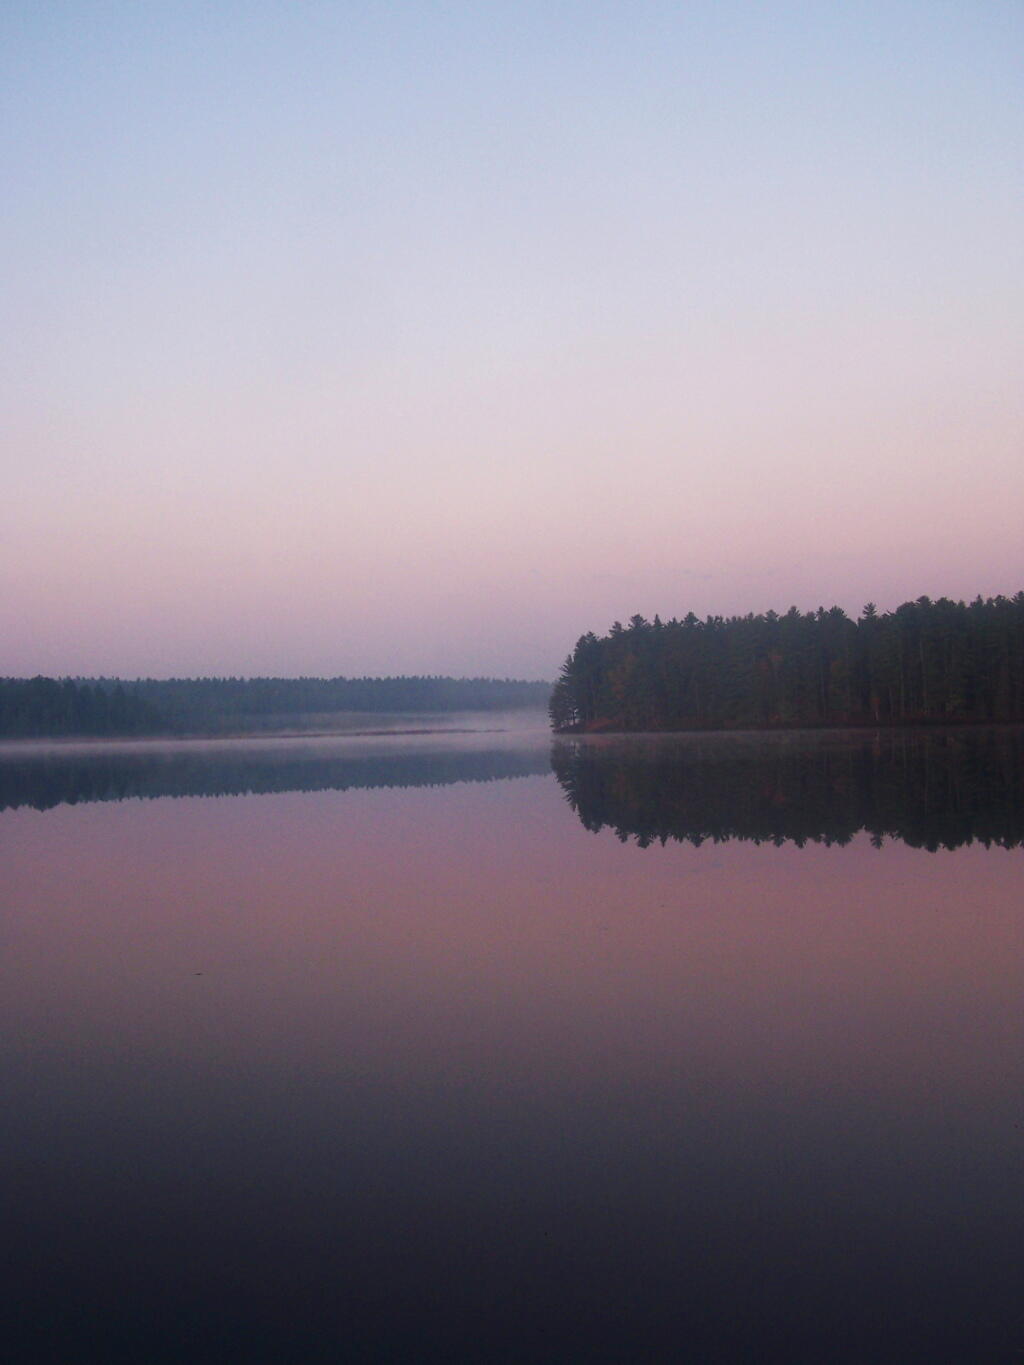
(468, 1047)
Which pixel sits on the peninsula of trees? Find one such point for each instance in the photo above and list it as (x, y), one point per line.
(109, 706)
(926, 662)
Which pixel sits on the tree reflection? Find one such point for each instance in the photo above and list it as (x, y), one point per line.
(929, 789)
(44, 779)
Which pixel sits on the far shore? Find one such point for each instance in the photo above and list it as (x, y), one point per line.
(782, 728)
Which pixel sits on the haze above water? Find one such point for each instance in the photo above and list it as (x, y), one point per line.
(426, 1046)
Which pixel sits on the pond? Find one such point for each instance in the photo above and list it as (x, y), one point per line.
(479, 1046)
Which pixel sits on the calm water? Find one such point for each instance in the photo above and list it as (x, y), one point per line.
(469, 1047)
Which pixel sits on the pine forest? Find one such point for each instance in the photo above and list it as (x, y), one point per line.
(926, 662)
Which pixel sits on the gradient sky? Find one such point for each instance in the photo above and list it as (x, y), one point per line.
(367, 338)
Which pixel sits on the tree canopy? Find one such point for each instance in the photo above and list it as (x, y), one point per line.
(927, 661)
(111, 706)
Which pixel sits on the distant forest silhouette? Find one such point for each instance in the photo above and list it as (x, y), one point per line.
(926, 662)
(930, 788)
(111, 706)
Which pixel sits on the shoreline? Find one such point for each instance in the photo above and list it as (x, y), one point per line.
(820, 727)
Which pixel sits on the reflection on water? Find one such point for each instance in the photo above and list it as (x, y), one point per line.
(930, 789)
(44, 777)
(429, 1072)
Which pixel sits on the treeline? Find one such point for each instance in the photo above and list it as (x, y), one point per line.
(48, 706)
(930, 789)
(204, 703)
(925, 662)
(112, 706)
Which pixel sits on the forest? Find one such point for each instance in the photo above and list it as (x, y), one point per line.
(51, 706)
(112, 706)
(926, 662)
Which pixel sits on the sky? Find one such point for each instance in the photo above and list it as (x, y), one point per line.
(424, 337)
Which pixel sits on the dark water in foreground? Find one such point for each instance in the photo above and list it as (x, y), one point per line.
(470, 1048)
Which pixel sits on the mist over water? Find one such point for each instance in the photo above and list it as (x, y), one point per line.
(389, 1048)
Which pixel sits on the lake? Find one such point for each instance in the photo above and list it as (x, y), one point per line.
(476, 1046)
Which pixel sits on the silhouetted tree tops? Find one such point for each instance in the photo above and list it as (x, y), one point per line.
(926, 661)
(48, 706)
(109, 706)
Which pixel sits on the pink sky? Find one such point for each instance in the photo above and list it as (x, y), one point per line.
(424, 343)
